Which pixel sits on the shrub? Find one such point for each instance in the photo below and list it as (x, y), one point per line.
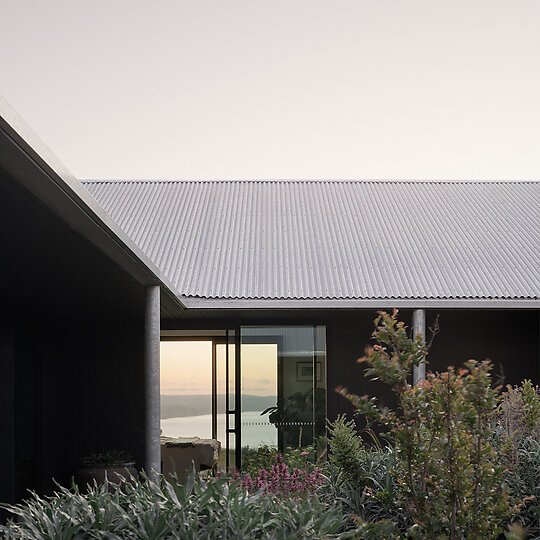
(264, 457)
(524, 482)
(148, 509)
(346, 449)
(386, 529)
(450, 481)
(518, 418)
(281, 481)
(518, 441)
(306, 457)
(367, 488)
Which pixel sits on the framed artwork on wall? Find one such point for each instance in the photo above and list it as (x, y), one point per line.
(304, 371)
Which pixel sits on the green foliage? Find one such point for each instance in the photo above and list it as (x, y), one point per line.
(253, 460)
(366, 530)
(518, 418)
(346, 449)
(531, 404)
(450, 483)
(519, 447)
(148, 509)
(362, 504)
(361, 478)
(109, 457)
(264, 457)
(304, 458)
(524, 482)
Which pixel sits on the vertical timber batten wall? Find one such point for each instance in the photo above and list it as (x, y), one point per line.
(510, 339)
(152, 460)
(7, 412)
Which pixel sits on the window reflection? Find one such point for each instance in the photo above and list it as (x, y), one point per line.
(186, 388)
(283, 372)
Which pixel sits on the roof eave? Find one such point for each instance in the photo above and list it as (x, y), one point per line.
(362, 303)
(25, 157)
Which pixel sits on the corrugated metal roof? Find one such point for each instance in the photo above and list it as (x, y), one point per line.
(335, 239)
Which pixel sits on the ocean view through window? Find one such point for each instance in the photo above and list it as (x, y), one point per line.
(281, 389)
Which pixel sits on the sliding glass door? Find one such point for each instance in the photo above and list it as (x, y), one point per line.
(198, 387)
(283, 387)
(248, 387)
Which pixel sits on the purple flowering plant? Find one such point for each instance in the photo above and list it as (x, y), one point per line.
(281, 480)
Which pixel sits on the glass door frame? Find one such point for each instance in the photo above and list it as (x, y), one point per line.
(236, 412)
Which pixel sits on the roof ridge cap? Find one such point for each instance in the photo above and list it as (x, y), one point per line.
(294, 181)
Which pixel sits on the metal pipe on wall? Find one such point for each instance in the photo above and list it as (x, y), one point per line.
(419, 327)
(152, 446)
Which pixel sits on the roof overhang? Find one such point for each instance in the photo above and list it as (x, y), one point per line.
(30, 165)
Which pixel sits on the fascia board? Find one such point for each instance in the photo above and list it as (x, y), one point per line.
(368, 303)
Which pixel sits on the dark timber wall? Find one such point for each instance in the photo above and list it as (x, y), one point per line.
(67, 388)
(509, 338)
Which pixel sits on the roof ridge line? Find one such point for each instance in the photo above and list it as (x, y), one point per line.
(293, 181)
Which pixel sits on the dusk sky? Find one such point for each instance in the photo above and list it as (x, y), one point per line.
(288, 89)
(186, 369)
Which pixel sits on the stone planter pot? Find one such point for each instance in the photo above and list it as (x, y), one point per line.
(179, 455)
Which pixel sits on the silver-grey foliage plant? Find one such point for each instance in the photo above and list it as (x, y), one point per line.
(157, 509)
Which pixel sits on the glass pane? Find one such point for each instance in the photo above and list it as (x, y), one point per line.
(186, 388)
(221, 365)
(259, 395)
(283, 372)
(320, 391)
(231, 463)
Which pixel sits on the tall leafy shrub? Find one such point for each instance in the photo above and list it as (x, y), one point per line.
(346, 449)
(367, 488)
(450, 481)
(518, 419)
(519, 446)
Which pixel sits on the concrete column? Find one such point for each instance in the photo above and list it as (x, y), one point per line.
(152, 447)
(419, 327)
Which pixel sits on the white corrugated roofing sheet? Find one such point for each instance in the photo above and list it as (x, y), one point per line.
(335, 240)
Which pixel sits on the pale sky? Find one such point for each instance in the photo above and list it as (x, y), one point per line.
(186, 367)
(301, 89)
